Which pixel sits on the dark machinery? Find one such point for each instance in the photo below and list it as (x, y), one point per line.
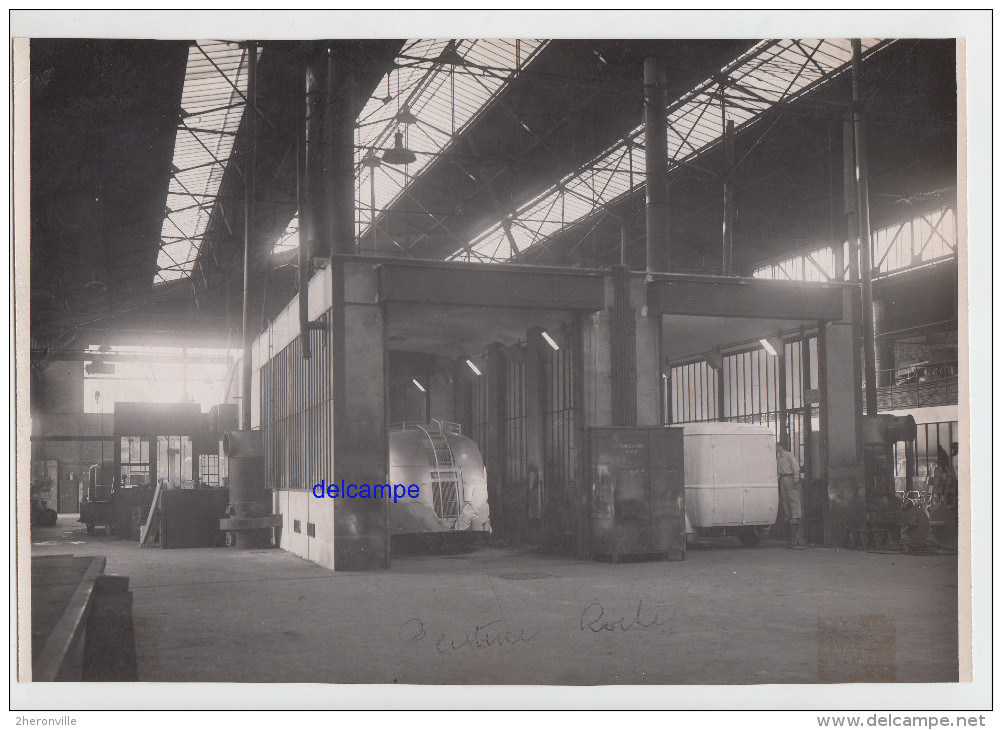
(638, 493)
(96, 508)
(41, 514)
(44, 475)
(889, 513)
(248, 522)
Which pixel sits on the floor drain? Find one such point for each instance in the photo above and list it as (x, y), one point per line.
(525, 576)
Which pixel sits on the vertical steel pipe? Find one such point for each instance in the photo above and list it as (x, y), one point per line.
(304, 241)
(884, 347)
(249, 182)
(656, 139)
(728, 224)
(863, 217)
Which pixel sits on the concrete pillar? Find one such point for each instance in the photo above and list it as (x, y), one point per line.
(360, 526)
(840, 407)
(647, 340)
(623, 349)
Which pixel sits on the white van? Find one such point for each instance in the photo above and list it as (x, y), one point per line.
(731, 486)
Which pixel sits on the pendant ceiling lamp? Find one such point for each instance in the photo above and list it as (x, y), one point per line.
(399, 155)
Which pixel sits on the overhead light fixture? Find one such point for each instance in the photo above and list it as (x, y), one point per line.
(768, 346)
(399, 155)
(371, 160)
(473, 367)
(419, 386)
(550, 341)
(406, 116)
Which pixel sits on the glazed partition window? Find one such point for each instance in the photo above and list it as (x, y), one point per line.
(208, 469)
(747, 389)
(515, 421)
(558, 424)
(135, 461)
(297, 413)
(174, 460)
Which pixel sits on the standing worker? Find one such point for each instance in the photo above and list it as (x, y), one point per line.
(790, 495)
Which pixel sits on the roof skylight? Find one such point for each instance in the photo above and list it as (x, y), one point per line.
(772, 73)
(212, 103)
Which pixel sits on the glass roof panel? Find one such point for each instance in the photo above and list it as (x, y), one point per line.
(212, 104)
(773, 72)
(444, 84)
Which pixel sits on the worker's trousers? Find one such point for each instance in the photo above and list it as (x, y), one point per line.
(790, 495)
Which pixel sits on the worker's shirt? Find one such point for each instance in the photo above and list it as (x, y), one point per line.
(787, 464)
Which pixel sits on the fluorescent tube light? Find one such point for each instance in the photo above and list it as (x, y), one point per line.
(768, 346)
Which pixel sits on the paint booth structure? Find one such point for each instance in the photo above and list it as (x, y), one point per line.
(731, 486)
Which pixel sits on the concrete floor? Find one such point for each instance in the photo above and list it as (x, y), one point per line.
(726, 615)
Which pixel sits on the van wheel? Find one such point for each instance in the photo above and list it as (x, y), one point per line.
(749, 537)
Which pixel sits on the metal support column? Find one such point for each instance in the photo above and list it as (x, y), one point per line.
(720, 389)
(249, 181)
(852, 236)
(656, 136)
(865, 250)
(728, 225)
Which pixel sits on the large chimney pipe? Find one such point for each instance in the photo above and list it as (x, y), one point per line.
(863, 217)
(341, 146)
(249, 182)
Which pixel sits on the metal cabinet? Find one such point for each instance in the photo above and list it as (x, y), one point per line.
(638, 495)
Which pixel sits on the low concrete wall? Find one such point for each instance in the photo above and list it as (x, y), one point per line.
(301, 505)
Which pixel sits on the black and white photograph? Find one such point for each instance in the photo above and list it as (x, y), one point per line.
(633, 355)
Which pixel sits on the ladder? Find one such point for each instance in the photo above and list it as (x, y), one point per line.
(438, 448)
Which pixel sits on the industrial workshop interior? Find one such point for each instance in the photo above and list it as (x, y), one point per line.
(494, 362)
